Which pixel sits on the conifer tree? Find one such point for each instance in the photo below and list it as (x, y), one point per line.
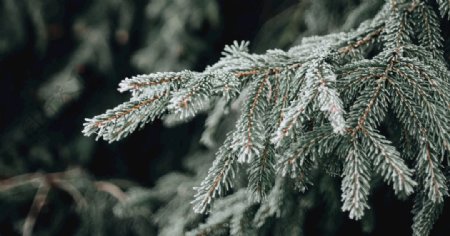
(60, 62)
(365, 104)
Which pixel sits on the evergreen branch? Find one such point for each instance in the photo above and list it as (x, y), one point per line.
(430, 174)
(272, 206)
(373, 103)
(126, 112)
(357, 76)
(377, 100)
(187, 101)
(436, 74)
(248, 73)
(429, 35)
(282, 102)
(328, 99)
(355, 183)
(367, 39)
(394, 5)
(212, 122)
(239, 223)
(294, 113)
(218, 180)
(393, 62)
(425, 214)
(226, 85)
(262, 174)
(398, 27)
(387, 162)
(444, 7)
(230, 213)
(124, 119)
(250, 130)
(269, 70)
(296, 161)
(352, 71)
(434, 66)
(319, 80)
(154, 83)
(434, 112)
(407, 111)
(211, 229)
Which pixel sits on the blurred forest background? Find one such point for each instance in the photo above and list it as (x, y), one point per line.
(62, 60)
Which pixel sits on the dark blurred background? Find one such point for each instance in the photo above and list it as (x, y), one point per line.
(61, 61)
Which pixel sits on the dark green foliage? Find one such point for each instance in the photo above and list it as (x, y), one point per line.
(325, 96)
(304, 138)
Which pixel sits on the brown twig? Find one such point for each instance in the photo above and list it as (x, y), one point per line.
(140, 85)
(112, 189)
(72, 191)
(133, 108)
(365, 40)
(266, 71)
(38, 203)
(60, 180)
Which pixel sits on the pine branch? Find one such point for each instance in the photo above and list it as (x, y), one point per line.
(388, 163)
(272, 206)
(212, 122)
(187, 101)
(124, 119)
(299, 157)
(430, 174)
(369, 108)
(250, 131)
(429, 35)
(425, 214)
(398, 27)
(230, 213)
(262, 174)
(369, 38)
(318, 79)
(329, 96)
(154, 83)
(355, 184)
(444, 7)
(218, 180)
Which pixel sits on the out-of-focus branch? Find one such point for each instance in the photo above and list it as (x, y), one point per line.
(112, 189)
(38, 202)
(61, 180)
(13, 182)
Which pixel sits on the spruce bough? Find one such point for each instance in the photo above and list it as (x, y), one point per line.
(322, 106)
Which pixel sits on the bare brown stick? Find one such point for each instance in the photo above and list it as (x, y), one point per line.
(6, 184)
(38, 203)
(72, 191)
(112, 189)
